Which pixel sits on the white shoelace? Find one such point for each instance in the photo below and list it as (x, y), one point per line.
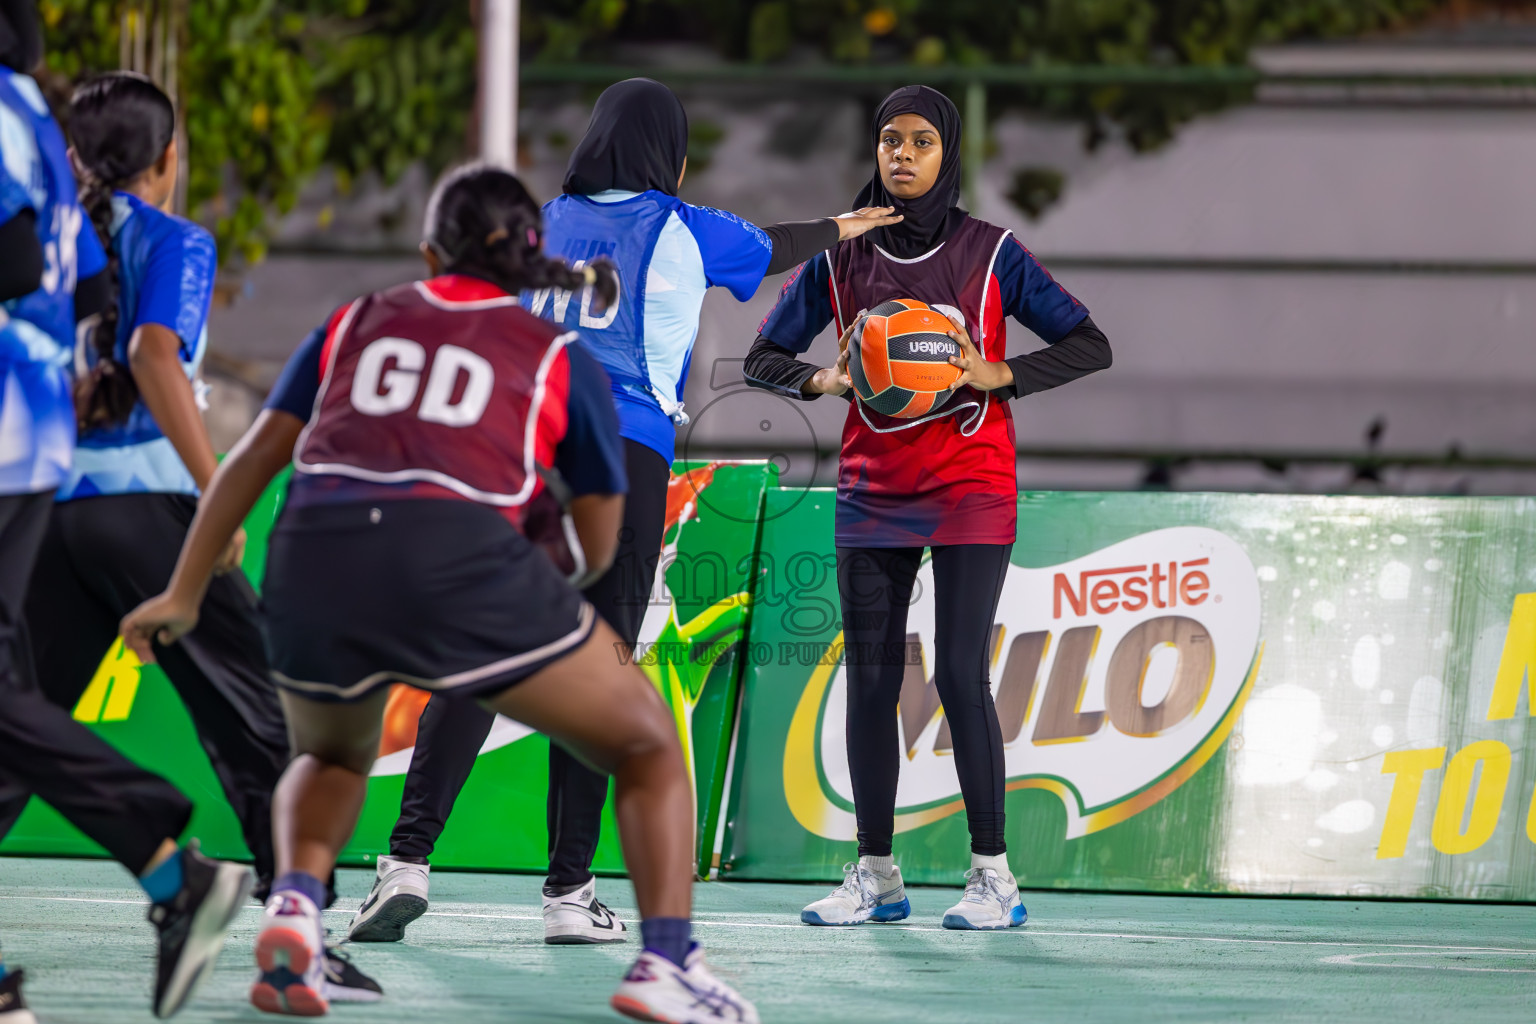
(858, 883)
(982, 883)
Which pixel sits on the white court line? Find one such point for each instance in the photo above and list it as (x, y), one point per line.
(1353, 960)
(1027, 930)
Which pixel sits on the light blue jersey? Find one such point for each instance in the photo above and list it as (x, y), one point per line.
(166, 269)
(37, 331)
(668, 254)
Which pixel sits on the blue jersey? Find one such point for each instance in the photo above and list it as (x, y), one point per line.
(668, 254)
(37, 331)
(165, 276)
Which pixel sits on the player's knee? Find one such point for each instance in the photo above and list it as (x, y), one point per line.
(648, 732)
(349, 752)
(654, 733)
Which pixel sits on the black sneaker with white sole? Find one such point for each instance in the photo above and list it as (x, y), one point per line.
(193, 925)
(344, 983)
(13, 1008)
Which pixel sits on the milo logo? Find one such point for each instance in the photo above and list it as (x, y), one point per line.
(1116, 677)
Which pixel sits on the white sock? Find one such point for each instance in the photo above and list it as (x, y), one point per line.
(998, 863)
(881, 865)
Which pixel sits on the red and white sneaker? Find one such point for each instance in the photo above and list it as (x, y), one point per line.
(656, 989)
(290, 954)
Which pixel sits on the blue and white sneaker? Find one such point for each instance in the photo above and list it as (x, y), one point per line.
(656, 989)
(290, 955)
(865, 895)
(990, 902)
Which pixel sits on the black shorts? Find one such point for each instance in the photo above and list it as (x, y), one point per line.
(438, 594)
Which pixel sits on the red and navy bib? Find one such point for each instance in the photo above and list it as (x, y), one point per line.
(459, 392)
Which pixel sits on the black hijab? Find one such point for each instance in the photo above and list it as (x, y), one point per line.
(21, 38)
(933, 216)
(636, 141)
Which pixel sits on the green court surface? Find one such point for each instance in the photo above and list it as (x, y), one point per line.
(478, 956)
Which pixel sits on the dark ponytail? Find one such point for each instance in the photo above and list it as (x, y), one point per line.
(120, 125)
(482, 221)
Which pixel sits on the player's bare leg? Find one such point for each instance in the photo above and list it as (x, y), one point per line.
(314, 810)
(607, 712)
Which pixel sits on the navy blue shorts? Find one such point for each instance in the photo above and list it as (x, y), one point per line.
(439, 594)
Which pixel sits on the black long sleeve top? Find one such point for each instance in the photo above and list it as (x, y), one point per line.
(1082, 351)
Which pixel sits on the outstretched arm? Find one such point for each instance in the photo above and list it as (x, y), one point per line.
(259, 456)
(796, 241)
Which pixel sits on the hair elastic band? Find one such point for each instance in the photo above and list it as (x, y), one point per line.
(500, 234)
(589, 275)
(533, 239)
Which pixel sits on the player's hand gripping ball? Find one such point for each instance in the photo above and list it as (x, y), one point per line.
(898, 358)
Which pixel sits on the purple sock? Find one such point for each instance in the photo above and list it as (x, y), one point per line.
(670, 937)
(302, 882)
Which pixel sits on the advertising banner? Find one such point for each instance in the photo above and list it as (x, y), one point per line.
(691, 644)
(1197, 692)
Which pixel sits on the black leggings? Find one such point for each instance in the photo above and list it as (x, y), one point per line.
(43, 750)
(451, 731)
(875, 585)
(97, 560)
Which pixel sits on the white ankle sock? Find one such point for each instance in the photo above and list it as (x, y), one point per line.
(883, 865)
(998, 863)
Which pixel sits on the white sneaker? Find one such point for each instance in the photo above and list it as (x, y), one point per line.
(656, 989)
(865, 895)
(398, 897)
(290, 954)
(577, 918)
(990, 902)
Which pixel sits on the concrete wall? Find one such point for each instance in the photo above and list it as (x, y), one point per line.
(1204, 358)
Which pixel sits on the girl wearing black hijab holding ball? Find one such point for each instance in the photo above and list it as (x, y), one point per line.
(944, 481)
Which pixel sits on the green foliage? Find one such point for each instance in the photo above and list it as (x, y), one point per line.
(1031, 32)
(703, 137)
(254, 134)
(396, 80)
(251, 117)
(275, 88)
(1036, 189)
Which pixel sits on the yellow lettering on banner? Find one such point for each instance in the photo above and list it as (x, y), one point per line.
(1518, 662)
(110, 695)
(1409, 766)
(1457, 790)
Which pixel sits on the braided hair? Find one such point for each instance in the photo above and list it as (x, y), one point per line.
(121, 125)
(481, 221)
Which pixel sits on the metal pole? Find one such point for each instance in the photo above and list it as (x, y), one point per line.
(498, 82)
(975, 148)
